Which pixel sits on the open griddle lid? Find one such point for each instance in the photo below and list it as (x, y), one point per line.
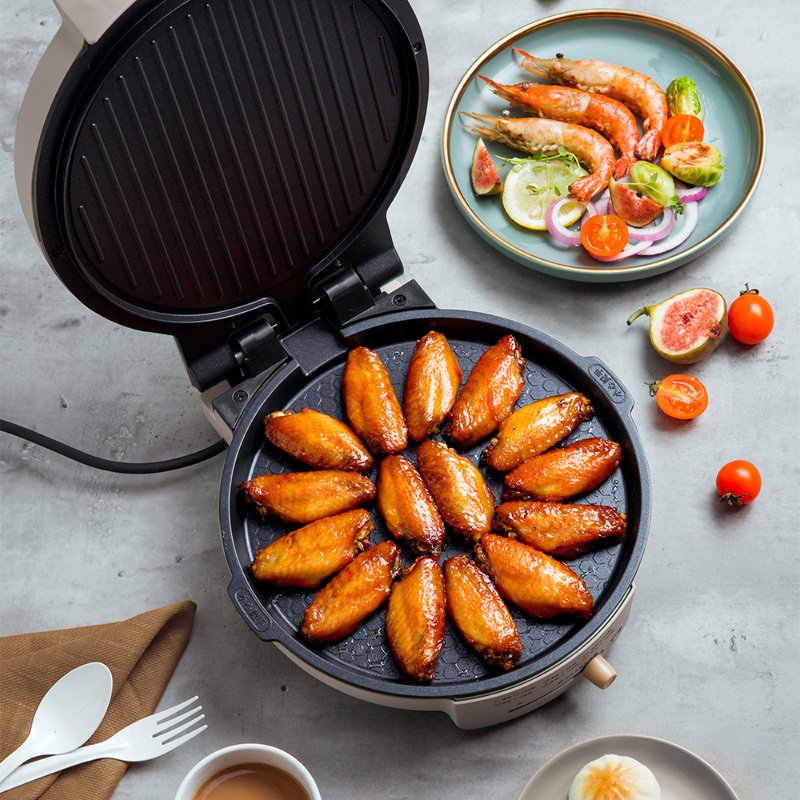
(206, 160)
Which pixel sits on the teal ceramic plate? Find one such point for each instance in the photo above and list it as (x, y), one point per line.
(681, 774)
(659, 48)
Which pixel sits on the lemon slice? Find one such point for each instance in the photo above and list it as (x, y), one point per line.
(531, 187)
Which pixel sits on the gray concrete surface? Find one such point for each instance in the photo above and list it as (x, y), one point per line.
(709, 657)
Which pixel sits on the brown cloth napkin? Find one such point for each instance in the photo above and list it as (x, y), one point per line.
(141, 653)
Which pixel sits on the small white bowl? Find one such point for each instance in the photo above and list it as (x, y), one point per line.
(245, 754)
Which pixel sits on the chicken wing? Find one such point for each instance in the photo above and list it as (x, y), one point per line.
(480, 613)
(318, 440)
(560, 529)
(562, 473)
(537, 583)
(432, 382)
(489, 394)
(308, 555)
(415, 619)
(534, 428)
(407, 507)
(464, 500)
(305, 496)
(355, 593)
(371, 403)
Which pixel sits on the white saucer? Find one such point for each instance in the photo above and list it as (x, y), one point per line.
(681, 774)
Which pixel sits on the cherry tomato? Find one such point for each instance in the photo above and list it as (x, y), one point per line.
(738, 483)
(680, 396)
(682, 128)
(604, 235)
(750, 317)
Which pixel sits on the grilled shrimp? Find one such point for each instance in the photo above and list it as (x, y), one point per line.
(640, 93)
(534, 134)
(604, 114)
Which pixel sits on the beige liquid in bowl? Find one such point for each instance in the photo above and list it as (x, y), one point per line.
(251, 782)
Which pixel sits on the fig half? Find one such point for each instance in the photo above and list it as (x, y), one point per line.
(636, 209)
(484, 174)
(688, 326)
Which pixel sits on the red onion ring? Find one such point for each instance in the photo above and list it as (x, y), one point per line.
(556, 229)
(603, 202)
(591, 211)
(692, 194)
(691, 213)
(654, 231)
(631, 249)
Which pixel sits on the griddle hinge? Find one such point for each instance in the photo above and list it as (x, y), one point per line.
(257, 348)
(343, 296)
(258, 354)
(249, 351)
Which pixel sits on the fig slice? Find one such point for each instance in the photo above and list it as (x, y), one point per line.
(688, 326)
(484, 174)
(636, 209)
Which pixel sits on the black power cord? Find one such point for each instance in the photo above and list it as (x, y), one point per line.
(144, 468)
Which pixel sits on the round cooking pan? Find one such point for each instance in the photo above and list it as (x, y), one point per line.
(363, 660)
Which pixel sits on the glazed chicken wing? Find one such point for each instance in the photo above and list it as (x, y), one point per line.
(415, 619)
(308, 555)
(355, 593)
(317, 439)
(431, 385)
(464, 500)
(306, 496)
(371, 403)
(537, 583)
(534, 428)
(564, 472)
(407, 507)
(489, 394)
(480, 613)
(560, 529)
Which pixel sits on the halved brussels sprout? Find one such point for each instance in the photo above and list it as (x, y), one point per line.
(683, 98)
(696, 163)
(653, 182)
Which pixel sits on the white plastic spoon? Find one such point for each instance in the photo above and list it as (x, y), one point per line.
(67, 715)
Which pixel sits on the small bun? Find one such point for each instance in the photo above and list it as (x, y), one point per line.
(613, 777)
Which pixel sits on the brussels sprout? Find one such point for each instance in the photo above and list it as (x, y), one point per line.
(683, 98)
(656, 183)
(696, 163)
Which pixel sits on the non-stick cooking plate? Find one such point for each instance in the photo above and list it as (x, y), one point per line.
(204, 161)
(364, 659)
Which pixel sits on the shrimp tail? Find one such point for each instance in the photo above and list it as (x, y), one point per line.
(649, 144)
(510, 93)
(481, 130)
(584, 189)
(540, 67)
(622, 166)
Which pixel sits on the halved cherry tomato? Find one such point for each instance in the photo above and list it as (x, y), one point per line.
(604, 235)
(750, 317)
(680, 396)
(738, 483)
(682, 128)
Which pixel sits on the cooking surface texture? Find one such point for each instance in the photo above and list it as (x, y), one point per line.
(219, 150)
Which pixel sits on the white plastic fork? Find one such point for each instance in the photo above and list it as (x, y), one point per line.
(140, 741)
